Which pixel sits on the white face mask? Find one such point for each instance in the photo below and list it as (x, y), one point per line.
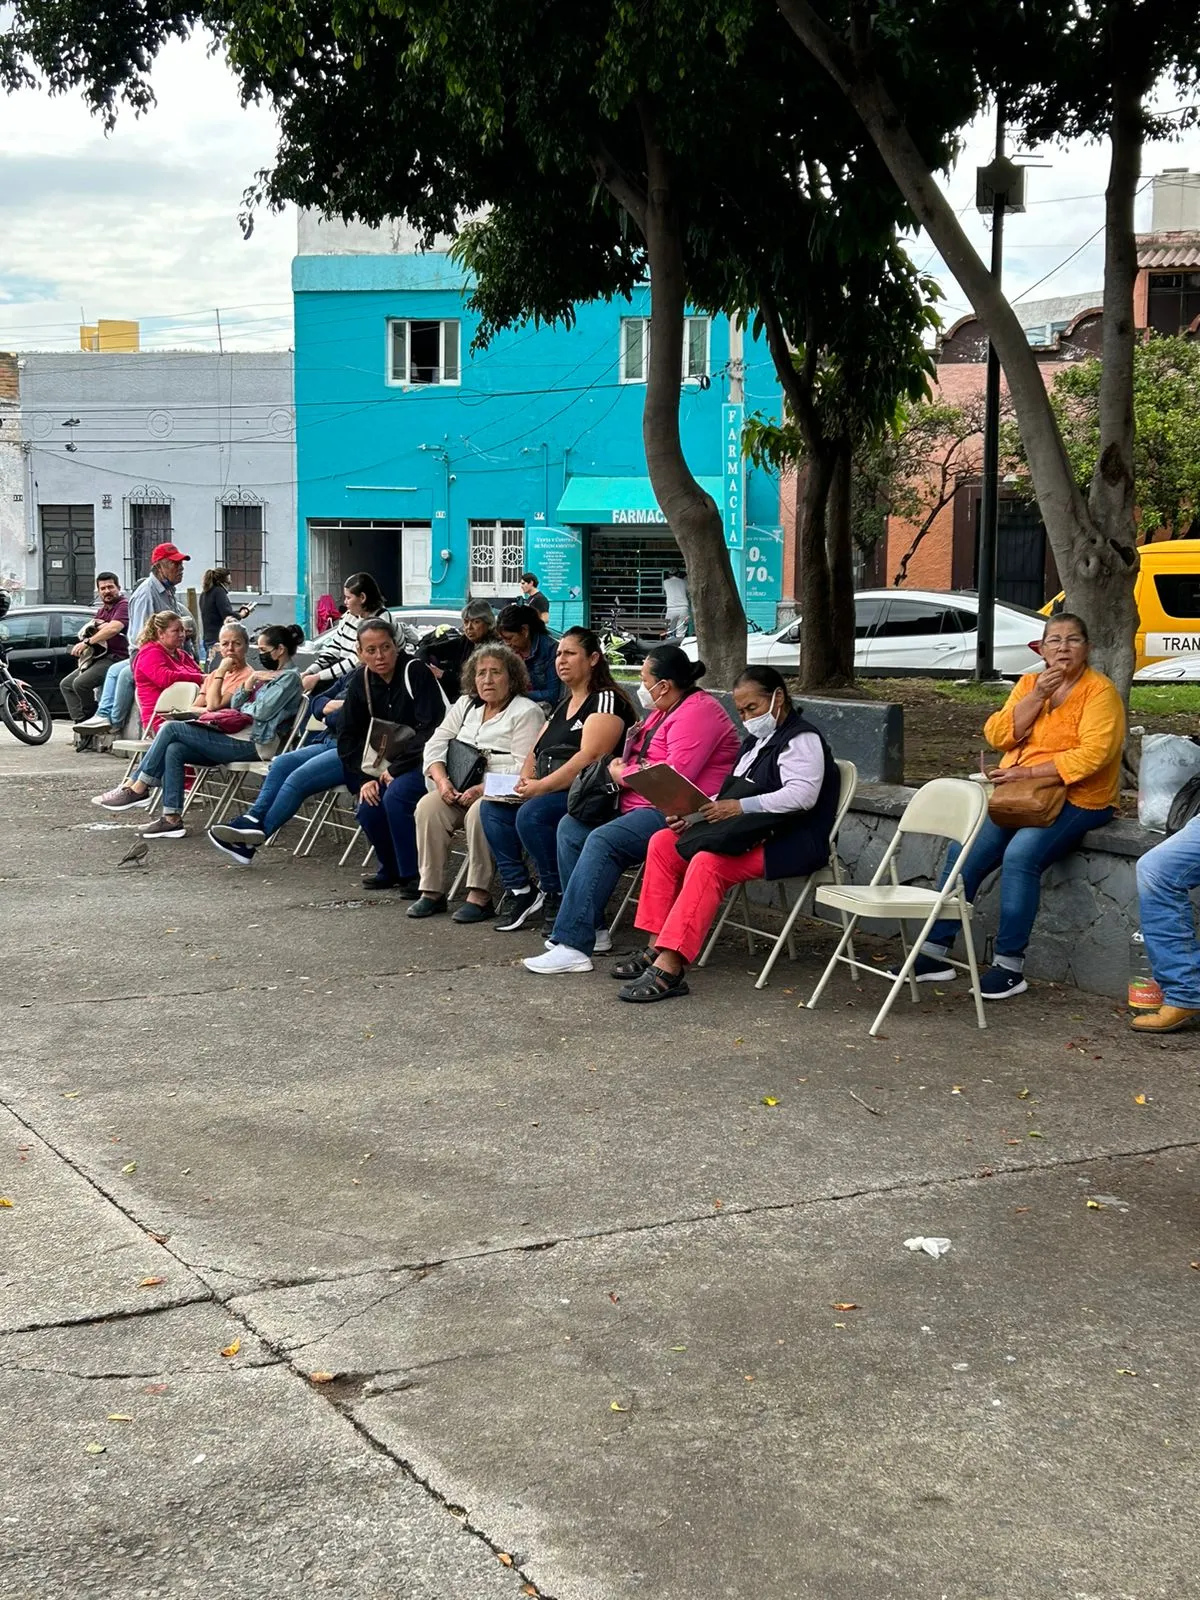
(646, 698)
(761, 727)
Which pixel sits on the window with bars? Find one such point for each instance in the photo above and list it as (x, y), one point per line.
(497, 557)
(149, 525)
(242, 546)
(421, 353)
(635, 348)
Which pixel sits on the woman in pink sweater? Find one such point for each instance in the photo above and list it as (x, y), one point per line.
(161, 661)
(687, 729)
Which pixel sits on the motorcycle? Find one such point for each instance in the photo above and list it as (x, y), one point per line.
(21, 711)
(621, 646)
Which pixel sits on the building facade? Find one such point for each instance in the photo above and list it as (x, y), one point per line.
(123, 450)
(446, 471)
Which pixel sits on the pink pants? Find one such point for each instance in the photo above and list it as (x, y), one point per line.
(679, 899)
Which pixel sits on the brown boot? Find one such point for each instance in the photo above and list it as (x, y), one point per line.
(1167, 1019)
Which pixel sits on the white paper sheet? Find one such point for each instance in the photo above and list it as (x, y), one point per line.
(500, 785)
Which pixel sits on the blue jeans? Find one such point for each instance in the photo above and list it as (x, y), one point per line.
(590, 863)
(116, 698)
(1024, 853)
(1165, 875)
(291, 779)
(532, 827)
(390, 827)
(182, 744)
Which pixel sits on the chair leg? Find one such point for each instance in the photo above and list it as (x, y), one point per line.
(458, 879)
(847, 935)
(727, 907)
(973, 966)
(320, 818)
(630, 894)
(786, 933)
(345, 855)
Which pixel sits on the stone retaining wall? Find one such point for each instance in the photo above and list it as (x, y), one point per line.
(1089, 900)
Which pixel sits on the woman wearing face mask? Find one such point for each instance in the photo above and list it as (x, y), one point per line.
(269, 697)
(771, 819)
(685, 728)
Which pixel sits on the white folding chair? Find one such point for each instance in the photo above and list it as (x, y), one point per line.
(254, 766)
(947, 808)
(630, 895)
(175, 697)
(803, 889)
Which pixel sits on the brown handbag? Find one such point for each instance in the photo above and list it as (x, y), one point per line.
(1028, 802)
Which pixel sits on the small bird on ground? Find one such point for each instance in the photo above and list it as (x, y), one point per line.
(136, 855)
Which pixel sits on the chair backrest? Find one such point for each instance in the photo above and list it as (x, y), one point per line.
(848, 773)
(176, 697)
(300, 724)
(951, 808)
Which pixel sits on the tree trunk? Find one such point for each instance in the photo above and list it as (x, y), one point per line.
(692, 514)
(1092, 556)
(817, 645)
(839, 552)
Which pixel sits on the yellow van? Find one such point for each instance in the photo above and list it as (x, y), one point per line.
(1167, 593)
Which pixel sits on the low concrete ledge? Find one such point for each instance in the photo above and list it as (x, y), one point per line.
(868, 732)
(1089, 900)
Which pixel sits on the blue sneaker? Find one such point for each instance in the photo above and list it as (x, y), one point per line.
(928, 969)
(242, 830)
(243, 854)
(997, 983)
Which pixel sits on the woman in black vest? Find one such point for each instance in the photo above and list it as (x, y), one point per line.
(772, 819)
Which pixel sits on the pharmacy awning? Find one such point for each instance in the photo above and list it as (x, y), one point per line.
(614, 501)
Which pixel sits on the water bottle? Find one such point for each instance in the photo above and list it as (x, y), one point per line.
(1144, 992)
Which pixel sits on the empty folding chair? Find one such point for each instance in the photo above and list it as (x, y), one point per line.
(947, 808)
(802, 888)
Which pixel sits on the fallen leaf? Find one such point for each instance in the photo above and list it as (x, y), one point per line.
(1139, 1099)
(717, 1204)
(321, 1377)
(1127, 1372)
(1022, 1094)
(503, 1557)
(527, 1588)
(1195, 1265)
(845, 1305)
(1094, 1205)
(680, 1348)
(614, 1297)
(130, 1166)
(6, 1202)
(156, 1388)
(1035, 1134)
(119, 1416)
(613, 1406)
(71, 1094)
(151, 1283)
(94, 1449)
(749, 1376)
(956, 1088)
(232, 1349)
(1019, 1210)
(769, 1100)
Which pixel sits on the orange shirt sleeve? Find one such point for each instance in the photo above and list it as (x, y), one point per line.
(998, 729)
(1101, 735)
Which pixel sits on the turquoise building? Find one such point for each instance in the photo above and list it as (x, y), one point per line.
(447, 472)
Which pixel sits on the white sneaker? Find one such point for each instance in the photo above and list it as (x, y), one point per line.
(603, 942)
(560, 959)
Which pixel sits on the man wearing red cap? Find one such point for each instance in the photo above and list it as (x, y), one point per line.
(156, 592)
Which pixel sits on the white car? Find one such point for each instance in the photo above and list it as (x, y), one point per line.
(1172, 669)
(415, 621)
(912, 630)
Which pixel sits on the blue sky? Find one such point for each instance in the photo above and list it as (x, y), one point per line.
(143, 223)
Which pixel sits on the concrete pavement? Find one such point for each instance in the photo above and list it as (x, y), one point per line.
(575, 1296)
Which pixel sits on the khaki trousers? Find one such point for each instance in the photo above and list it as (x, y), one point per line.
(436, 824)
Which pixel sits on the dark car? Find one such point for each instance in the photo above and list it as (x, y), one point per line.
(39, 640)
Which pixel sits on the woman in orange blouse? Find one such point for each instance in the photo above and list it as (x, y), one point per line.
(1066, 720)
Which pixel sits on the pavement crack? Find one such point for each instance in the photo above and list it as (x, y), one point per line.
(411, 1278)
(95, 1319)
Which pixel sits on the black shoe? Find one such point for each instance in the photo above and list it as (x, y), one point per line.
(470, 912)
(410, 888)
(429, 905)
(518, 908)
(243, 854)
(242, 830)
(551, 904)
(378, 880)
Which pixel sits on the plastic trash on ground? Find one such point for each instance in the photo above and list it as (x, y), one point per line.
(931, 1247)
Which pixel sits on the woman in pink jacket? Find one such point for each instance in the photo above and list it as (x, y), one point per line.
(161, 661)
(687, 729)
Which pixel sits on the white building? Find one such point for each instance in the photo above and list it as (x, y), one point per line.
(124, 450)
(12, 483)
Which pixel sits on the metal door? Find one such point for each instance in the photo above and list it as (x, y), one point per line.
(1020, 553)
(68, 554)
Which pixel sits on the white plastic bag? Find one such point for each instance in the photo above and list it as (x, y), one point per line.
(1168, 761)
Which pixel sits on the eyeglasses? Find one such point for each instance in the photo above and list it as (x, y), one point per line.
(1063, 639)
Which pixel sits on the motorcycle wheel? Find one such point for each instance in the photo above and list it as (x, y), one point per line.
(24, 715)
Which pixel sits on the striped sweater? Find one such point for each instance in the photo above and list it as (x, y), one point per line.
(338, 654)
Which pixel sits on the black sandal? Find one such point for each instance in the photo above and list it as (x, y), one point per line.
(654, 984)
(632, 967)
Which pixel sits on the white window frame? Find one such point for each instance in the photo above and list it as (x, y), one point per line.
(691, 372)
(495, 575)
(404, 379)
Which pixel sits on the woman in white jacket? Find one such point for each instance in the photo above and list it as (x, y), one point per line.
(337, 653)
(497, 721)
